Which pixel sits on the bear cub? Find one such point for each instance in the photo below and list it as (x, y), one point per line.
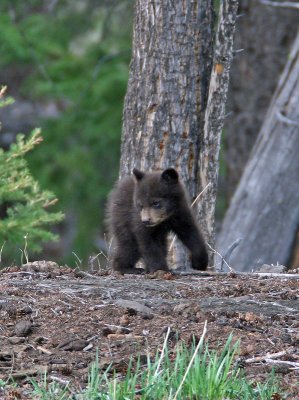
(142, 209)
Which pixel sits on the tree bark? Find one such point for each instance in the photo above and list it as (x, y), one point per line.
(167, 91)
(264, 34)
(265, 208)
(168, 86)
(215, 114)
(168, 119)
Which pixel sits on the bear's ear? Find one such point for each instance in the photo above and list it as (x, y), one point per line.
(170, 175)
(138, 174)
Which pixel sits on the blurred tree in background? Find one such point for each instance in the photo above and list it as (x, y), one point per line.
(66, 63)
(264, 36)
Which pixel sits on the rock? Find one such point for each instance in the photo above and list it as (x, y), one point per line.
(27, 310)
(136, 306)
(23, 328)
(49, 268)
(40, 266)
(190, 310)
(179, 308)
(73, 345)
(146, 316)
(16, 340)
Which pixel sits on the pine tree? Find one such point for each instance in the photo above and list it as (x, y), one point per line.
(24, 206)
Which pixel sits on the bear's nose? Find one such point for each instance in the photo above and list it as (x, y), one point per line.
(146, 222)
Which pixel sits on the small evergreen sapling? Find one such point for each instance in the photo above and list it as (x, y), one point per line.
(23, 205)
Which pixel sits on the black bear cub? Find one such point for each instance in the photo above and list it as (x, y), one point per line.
(142, 210)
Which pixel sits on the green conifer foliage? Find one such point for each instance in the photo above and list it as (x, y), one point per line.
(71, 57)
(25, 218)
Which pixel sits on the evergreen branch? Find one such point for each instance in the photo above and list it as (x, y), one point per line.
(22, 202)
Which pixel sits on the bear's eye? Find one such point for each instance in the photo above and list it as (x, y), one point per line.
(156, 204)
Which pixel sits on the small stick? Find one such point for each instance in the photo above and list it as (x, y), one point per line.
(43, 350)
(223, 260)
(198, 196)
(291, 364)
(268, 356)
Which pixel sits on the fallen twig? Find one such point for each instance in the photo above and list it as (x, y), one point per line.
(269, 356)
(291, 364)
(43, 350)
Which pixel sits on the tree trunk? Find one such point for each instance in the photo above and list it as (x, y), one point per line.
(168, 86)
(167, 91)
(166, 122)
(265, 208)
(265, 35)
(215, 113)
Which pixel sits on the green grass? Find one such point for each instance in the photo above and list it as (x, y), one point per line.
(188, 373)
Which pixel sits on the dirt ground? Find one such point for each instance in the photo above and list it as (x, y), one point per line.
(54, 319)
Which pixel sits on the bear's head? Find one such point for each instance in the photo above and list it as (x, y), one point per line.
(156, 195)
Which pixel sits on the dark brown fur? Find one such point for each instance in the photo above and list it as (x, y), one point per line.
(142, 210)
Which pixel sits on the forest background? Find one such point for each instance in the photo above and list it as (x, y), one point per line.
(66, 63)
